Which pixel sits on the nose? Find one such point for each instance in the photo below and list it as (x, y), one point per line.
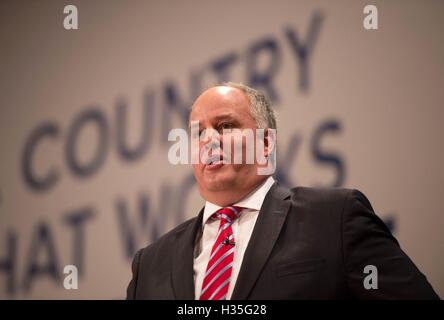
(211, 142)
(210, 135)
(212, 145)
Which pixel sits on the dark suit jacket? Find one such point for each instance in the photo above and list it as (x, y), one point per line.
(308, 243)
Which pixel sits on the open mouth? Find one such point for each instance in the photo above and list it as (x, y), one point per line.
(214, 161)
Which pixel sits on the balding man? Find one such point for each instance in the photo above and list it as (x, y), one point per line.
(255, 239)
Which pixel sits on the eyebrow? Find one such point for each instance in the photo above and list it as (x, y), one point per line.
(228, 116)
(218, 118)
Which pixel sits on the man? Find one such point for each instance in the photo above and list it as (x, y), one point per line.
(255, 239)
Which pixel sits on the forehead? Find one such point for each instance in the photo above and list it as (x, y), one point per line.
(220, 101)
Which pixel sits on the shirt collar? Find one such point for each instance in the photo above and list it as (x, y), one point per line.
(253, 201)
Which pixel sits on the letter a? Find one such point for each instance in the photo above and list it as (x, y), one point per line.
(371, 281)
(371, 20)
(71, 280)
(71, 21)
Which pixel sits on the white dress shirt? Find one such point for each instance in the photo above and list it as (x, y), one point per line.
(242, 230)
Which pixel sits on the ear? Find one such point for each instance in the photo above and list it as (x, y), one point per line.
(269, 141)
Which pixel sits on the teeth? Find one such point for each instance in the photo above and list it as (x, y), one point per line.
(213, 160)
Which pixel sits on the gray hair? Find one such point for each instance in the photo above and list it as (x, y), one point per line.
(261, 109)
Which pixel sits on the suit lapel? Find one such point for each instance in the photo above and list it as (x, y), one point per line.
(182, 268)
(265, 233)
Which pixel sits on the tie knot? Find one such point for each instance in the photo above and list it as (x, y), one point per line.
(228, 214)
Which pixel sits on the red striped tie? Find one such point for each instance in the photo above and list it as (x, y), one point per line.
(218, 273)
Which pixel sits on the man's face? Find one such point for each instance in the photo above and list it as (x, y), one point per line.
(222, 109)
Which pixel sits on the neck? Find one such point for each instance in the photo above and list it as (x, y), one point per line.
(228, 197)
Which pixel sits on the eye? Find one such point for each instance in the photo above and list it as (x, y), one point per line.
(226, 126)
(201, 130)
(195, 134)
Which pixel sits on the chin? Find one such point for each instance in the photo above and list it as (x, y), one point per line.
(215, 186)
(218, 183)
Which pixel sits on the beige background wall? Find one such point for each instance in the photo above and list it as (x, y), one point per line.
(382, 91)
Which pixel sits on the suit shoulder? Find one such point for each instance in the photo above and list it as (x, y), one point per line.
(325, 197)
(168, 237)
(318, 194)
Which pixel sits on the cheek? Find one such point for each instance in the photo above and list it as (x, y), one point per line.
(234, 145)
(196, 170)
(244, 148)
